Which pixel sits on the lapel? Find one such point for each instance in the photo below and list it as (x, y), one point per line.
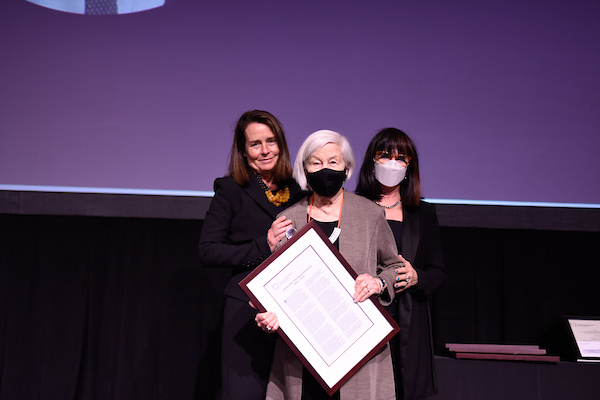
(411, 231)
(347, 234)
(256, 193)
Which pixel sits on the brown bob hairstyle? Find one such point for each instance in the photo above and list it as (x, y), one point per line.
(391, 140)
(238, 164)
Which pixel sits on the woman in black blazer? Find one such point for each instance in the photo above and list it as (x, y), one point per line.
(389, 176)
(234, 235)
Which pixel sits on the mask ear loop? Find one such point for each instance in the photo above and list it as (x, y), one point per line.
(306, 177)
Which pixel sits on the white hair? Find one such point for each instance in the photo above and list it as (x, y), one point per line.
(315, 142)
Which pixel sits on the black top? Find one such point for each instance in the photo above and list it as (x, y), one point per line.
(397, 230)
(327, 228)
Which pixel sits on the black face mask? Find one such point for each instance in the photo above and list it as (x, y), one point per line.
(326, 182)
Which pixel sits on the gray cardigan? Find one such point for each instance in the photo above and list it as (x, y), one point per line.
(367, 243)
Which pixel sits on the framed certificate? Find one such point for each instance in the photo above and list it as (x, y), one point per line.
(309, 285)
(585, 337)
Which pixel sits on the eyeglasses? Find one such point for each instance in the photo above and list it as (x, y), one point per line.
(384, 156)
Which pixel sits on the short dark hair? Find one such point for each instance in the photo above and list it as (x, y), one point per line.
(238, 164)
(391, 140)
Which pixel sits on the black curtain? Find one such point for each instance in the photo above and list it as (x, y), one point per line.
(509, 286)
(120, 308)
(106, 308)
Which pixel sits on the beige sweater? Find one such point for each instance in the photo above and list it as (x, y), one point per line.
(367, 243)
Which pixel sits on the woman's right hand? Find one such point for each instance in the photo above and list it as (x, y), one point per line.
(277, 231)
(267, 321)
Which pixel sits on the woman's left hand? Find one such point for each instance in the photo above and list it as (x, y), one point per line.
(364, 287)
(266, 321)
(406, 276)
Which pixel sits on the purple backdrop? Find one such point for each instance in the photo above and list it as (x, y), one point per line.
(501, 98)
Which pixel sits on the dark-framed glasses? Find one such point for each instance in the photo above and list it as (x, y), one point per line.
(383, 156)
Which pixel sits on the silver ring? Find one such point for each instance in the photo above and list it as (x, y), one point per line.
(290, 232)
(407, 278)
(268, 328)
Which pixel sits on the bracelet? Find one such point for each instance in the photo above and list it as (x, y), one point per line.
(382, 285)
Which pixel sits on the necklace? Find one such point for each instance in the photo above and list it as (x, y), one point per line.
(281, 197)
(392, 206)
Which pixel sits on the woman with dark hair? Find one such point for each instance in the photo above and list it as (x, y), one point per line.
(234, 235)
(389, 176)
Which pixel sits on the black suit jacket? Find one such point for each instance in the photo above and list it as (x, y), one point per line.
(422, 247)
(234, 232)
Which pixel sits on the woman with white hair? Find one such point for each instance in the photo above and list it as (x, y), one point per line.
(358, 228)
